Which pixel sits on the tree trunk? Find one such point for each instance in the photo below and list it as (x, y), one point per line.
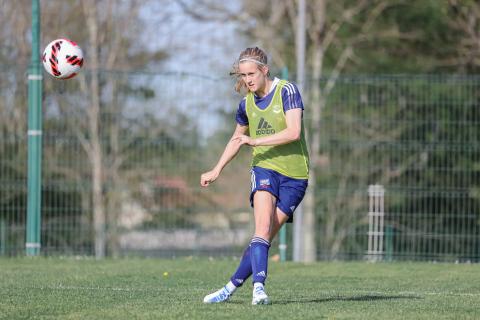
(95, 155)
(316, 103)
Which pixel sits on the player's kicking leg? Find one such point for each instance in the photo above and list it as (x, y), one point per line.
(243, 272)
(221, 295)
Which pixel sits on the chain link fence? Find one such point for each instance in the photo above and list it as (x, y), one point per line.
(152, 135)
(417, 137)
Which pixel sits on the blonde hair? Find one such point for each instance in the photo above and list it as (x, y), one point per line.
(255, 55)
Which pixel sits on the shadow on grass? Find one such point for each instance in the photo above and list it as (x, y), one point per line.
(368, 297)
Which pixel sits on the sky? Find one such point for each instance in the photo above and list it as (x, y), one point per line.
(207, 48)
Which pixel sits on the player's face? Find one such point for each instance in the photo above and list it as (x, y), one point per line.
(254, 76)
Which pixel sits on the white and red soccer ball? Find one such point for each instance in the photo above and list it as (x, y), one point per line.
(62, 58)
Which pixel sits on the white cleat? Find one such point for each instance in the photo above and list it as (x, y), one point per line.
(259, 296)
(221, 295)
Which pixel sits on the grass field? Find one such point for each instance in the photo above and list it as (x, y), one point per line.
(54, 288)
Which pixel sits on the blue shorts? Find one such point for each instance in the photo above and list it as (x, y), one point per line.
(288, 191)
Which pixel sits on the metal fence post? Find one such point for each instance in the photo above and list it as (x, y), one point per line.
(3, 237)
(375, 222)
(388, 243)
(282, 247)
(34, 138)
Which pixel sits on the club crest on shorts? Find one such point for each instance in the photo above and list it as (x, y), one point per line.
(264, 183)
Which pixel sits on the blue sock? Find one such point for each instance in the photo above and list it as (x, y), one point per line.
(244, 269)
(259, 256)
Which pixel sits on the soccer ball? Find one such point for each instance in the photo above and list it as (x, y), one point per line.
(62, 58)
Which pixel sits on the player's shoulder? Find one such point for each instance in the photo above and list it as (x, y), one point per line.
(289, 88)
(243, 101)
(242, 104)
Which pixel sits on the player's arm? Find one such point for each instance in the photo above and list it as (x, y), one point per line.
(231, 150)
(291, 133)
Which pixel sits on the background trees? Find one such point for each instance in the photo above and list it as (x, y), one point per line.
(353, 37)
(125, 129)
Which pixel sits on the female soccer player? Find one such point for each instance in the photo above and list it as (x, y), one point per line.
(269, 119)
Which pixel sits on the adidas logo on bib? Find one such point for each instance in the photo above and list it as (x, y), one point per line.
(264, 128)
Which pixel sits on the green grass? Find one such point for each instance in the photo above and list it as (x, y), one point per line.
(54, 288)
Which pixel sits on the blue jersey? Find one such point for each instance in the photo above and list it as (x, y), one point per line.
(290, 96)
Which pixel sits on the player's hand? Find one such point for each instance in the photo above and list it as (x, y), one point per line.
(208, 177)
(244, 139)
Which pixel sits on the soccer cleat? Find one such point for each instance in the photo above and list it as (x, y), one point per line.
(221, 295)
(259, 296)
